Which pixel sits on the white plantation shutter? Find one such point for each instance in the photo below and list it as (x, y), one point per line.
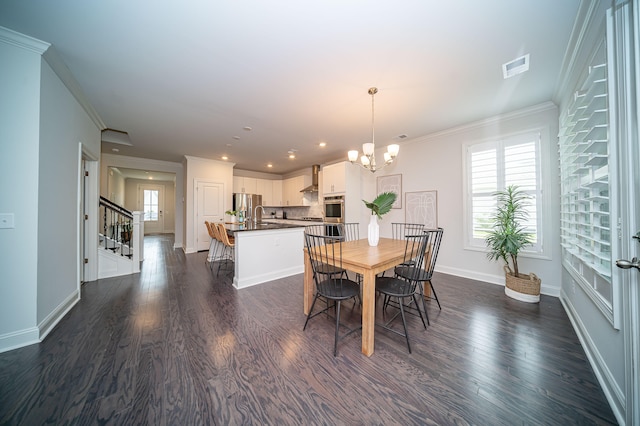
(491, 167)
(585, 222)
(484, 182)
(520, 164)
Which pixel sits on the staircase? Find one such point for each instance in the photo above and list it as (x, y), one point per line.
(120, 240)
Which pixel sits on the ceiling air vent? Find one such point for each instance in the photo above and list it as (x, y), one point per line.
(516, 66)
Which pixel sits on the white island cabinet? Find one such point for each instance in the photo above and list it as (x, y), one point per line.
(267, 253)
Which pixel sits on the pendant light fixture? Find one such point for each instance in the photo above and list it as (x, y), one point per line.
(368, 158)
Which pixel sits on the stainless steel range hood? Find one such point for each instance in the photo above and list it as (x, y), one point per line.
(314, 179)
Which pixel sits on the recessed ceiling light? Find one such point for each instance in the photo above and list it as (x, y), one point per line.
(229, 145)
(322, 144)
(224, 157)
(115, 150)
(247, 128)
(237, 138)
(292, 153)
(270, 165)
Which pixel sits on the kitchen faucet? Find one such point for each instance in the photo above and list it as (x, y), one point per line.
(255, 213)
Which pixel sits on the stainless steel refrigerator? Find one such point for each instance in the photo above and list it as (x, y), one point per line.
(246, 203)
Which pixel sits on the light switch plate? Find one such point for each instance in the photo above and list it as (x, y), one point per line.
(6, 221)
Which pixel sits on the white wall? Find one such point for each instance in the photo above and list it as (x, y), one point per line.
(63, 126)
(19, 162)
(43, 126)
(116, 187)
(212, 170)
(435, 162)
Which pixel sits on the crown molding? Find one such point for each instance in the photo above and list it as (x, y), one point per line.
(64, 74)
(49, 54)
(589, 20)
(23, 41)
(545, 106)
(141, 163)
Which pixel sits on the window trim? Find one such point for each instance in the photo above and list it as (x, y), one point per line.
(543, 222)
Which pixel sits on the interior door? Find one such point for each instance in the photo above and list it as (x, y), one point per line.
(209, 207)
(151, 202)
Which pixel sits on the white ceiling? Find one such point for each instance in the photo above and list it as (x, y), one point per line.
(185, 78)
(145, 174)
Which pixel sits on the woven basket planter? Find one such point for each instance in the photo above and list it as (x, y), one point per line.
(525, 288)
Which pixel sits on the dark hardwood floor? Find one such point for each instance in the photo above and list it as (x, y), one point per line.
(178, 345)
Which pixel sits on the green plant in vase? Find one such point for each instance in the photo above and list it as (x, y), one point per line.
(380, 206)
(232, 214)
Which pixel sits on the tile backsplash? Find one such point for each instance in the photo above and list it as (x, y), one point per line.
(314, 210)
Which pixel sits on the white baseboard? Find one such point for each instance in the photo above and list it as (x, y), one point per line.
(491, 279)
(262, 278)
(49, 323)
(18, 339)
(609, 386)
(472, 275)
(29, 336)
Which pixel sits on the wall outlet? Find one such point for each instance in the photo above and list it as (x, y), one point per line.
(6, 221)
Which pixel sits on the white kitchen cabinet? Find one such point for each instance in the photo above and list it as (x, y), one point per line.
(277, 193)
(338, 178)
(247, 185)
(291, 190)
(264, 187)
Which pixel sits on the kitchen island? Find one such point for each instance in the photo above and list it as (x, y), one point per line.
(266, 251)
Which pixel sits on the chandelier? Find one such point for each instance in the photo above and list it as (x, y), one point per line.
(368, 159)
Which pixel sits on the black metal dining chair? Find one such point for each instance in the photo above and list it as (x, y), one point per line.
(399, 288)
(325, 254)
(400, 230)
(424, 274)
(350, 232)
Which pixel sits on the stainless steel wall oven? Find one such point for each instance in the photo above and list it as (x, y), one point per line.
(334, 209)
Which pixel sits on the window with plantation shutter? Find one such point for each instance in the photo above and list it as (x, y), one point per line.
(585, 217)
(492, 166)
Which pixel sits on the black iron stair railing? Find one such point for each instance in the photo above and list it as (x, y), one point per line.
(117, 227)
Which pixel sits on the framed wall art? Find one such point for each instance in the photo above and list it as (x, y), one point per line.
(422, 207)
(391, 183)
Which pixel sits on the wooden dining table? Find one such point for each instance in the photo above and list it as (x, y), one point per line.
(358, 256)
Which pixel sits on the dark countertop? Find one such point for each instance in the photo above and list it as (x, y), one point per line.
(260, 226)
(299, 219)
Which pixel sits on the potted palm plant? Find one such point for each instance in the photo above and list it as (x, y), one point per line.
(380, 206)
(507, 238)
